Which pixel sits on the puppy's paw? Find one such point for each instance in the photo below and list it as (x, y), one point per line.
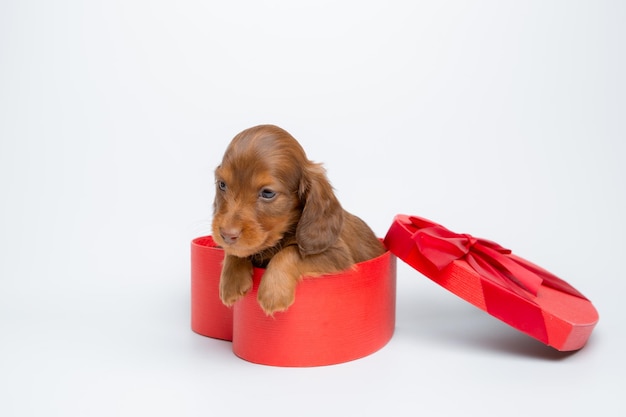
(276, 292)
(231, 290)
(236, 280)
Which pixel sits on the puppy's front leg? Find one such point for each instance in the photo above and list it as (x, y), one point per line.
(236, 279)
(277, 290)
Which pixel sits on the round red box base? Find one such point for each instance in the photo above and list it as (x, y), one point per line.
(335, 318)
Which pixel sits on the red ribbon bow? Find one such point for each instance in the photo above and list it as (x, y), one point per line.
(441, 247)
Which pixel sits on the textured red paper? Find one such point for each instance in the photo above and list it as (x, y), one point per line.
(209, 316)
(484, 274)
(335, 318)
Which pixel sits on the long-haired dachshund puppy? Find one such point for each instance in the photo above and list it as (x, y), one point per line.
(275, 209)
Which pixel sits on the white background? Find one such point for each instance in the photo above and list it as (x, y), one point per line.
(501, 119)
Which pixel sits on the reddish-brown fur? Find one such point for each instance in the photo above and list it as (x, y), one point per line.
(275, 209)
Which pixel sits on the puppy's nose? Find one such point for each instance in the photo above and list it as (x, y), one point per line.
(230, 236)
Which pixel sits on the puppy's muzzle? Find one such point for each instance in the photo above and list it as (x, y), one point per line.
(230, 236)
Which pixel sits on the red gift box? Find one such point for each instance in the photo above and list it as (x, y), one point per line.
(492, 278)
(346, 316)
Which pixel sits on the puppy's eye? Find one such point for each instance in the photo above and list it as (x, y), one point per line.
(221, 185)
(267, 194)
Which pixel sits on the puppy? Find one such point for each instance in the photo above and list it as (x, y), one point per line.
(275, 209)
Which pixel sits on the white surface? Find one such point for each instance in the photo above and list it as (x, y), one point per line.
(500, 119)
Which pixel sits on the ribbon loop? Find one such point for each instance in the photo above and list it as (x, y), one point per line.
(440, 246)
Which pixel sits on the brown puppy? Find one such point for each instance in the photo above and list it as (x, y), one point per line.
(275, 209)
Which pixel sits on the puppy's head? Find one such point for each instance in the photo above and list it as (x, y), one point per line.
(266, 189)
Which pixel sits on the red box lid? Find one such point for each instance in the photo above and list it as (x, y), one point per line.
(492, 278)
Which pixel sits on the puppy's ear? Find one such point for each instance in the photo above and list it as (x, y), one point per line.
(322, 215)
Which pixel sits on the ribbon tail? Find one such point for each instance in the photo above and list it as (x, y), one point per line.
(487, 270)
(549, 280)
(526, 278)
